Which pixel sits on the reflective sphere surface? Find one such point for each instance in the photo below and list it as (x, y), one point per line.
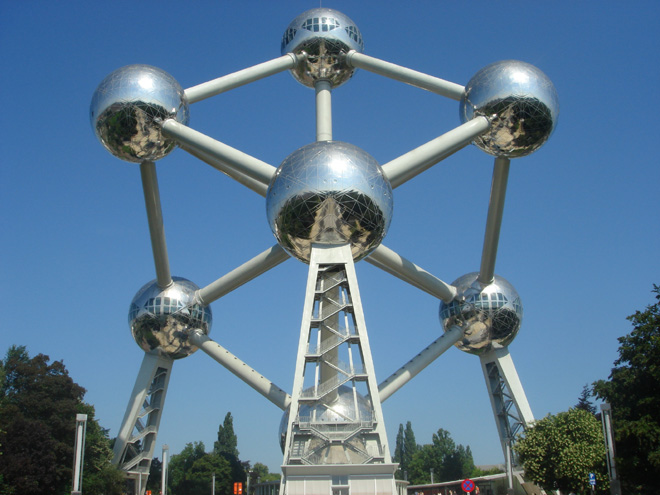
(128, 108)
(160, 319)
(521, 103)
(342, 409)
(325, 35)
(490, 315)
(329, 192)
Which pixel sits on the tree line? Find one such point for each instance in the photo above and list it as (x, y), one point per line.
(441, 460)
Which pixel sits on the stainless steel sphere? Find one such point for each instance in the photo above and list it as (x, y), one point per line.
(491, 315)
(521, 103)
(329, 192)
(325, 36)
(128, 108)
(160, 319)
(342, 409)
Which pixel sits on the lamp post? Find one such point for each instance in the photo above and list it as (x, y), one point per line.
(79, 453)
(608, 433)
(163, 480)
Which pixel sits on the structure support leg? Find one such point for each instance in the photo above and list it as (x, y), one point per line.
(135, 443)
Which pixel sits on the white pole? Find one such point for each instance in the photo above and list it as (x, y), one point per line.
(235, 159)
(155, 218)
(240, 78)
(213, 485)
(249, 270)
(405, 75)
(323, 110)
(419, 362)
(494, 220)
(409, 165)
(394, 264)
(241, 369)
(79, 453)
(163, 479)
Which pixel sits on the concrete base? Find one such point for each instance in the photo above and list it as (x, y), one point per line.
(339, 479)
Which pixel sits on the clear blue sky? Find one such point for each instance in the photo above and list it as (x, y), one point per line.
(580, 237)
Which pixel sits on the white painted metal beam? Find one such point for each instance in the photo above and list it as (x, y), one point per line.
(413, 163)
(233, 158)
(419, 362)
(405, 75)
(494, 220)
(395, 264)
(249, 270)
(240, 78)
(156, 227)
(242, 370)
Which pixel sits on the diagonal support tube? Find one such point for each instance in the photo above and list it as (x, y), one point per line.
(394, 264)
(407, 166)
(248, 182)
(242, 370)
(405, 75)
(155, 219)
(233, 158)
(240, 78)
(494, 220)
(261, 263)
(419, 362)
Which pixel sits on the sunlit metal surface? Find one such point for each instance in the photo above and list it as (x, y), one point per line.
(329, 192)
(160, 319)
(521, 103)
(490, 315)
(128, 108)
(325, 36)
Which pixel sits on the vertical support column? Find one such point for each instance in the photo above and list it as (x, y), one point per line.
(507, 396)
(494, 220)
(156, 228)
(335, 434)
(135, 443)
(323, 110)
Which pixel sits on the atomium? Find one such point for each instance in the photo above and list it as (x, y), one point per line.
(329, 192)
(329, 204)
(128, 108)
(520, 102)
(324, 36)
(161, 319)
(490, 315)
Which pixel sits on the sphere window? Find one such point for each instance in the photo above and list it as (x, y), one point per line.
(288, 36)
(355, 35)
(320, 24)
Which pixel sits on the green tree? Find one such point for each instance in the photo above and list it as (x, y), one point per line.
(399, 452)
(181, 464)
(633, 391)
(584, 401)
(155, 479)
(559, 451)
(448, 460)
(38, 405)
(226, 446)
(409, 446)
(227, 442)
